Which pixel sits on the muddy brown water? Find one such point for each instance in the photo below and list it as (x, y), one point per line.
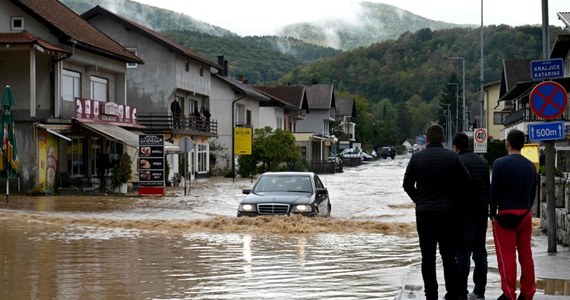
(193, 247)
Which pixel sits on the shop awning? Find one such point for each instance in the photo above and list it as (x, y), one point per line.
(57, 130)
(114, 132)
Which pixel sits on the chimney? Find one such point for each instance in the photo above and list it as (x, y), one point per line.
(226, 73)
(221, 60)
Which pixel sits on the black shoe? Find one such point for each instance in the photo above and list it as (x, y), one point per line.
(503, 297)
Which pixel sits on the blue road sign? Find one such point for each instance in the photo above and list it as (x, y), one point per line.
(546, 69)
(548, 100)
(548, 131)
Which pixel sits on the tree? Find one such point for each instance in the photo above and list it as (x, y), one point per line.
(403, 121)
(271, 150)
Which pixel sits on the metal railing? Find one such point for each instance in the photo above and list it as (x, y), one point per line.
(183, 124)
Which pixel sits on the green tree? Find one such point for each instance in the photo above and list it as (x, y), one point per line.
(403, 122)
(271, 150)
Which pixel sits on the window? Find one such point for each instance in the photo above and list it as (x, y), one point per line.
(75, 157)
(132, 65)
(202, 158)
(248, 118)
(70, 83)
(304, 152)
(240, 114)
(114, 149)
(279, 123)
(99, 88)
(201, 71)
(499, 117)
(187, 66)
(16, 23)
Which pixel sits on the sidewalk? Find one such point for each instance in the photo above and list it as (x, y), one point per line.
(552, 274)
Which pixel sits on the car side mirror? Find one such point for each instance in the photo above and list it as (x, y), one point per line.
(323, 191)
(246, 191)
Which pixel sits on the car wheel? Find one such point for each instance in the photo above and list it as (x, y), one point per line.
(328, 214)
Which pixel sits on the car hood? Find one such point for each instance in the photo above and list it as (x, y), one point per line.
(300, 198)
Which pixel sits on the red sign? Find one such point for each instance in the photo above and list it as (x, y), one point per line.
(105, 112)
(548, 100)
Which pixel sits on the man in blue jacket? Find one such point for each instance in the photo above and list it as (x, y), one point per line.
(435, 180)
(474, 211)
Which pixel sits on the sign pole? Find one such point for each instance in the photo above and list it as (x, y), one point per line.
(185, 172)
(550, 197)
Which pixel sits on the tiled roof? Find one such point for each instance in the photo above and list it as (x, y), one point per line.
(69, 26)
(24, 37)
(345, 106)
(514, 70)
(242, 88)
(153, 35)
(293, 94)
(320, 96)
(275, 100)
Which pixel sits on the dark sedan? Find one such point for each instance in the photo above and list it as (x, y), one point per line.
(285, 193)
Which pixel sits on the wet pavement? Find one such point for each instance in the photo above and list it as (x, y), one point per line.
(193, 247)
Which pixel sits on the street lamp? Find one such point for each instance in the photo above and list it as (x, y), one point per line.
(456, 104)
(463, 92)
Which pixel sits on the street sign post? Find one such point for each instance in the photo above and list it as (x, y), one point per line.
(546, 69)
(186, 145)
(548, 131)
(548, 100)
(480, 140)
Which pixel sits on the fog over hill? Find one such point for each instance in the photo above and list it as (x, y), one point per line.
(365, 23)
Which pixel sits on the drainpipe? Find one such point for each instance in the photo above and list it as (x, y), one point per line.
(233, 137)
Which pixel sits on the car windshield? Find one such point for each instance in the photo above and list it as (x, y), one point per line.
(283, 183)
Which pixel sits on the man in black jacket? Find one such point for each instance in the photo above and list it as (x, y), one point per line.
(474, 210)
(435, 180)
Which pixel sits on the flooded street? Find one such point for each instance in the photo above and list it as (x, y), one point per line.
(193, 246)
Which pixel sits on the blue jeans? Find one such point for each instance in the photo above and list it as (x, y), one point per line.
(472, 238)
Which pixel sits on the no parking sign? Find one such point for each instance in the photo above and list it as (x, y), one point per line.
(548, 100)
(480, 140)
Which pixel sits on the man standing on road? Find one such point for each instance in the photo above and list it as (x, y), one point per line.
(435, 179)
(473, 213)
(513, 189)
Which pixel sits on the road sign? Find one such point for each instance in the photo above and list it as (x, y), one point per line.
(547, 131)
(546, 69)
(480, 140)
(186, 144)
(548, 100)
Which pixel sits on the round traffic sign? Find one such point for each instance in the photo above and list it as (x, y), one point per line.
(548, 99)
(186, 144)
(480, 135)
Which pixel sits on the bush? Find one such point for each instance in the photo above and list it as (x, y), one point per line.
(122, 171)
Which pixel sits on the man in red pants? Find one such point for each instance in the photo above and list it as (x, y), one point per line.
(513, 189)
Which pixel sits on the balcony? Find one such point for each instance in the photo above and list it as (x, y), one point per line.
(155, 123)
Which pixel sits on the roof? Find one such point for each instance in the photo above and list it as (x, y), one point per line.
(293, 94)
(522, 90)
(561, 46)
(149, 33)
(320, 96)
(72, 29)
(242, 88)
(276, 100)
(514, 70)
(26, 38)
(346, 106)
(565, 18)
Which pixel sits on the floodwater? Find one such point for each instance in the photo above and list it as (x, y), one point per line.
(193, 247)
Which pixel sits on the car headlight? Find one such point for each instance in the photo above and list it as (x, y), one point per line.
(247, 207)
(301, 208)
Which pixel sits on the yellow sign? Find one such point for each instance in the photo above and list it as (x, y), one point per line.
(243, 139)
(531, 152)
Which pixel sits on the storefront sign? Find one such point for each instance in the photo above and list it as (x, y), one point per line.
(105, 112)
(151, 164)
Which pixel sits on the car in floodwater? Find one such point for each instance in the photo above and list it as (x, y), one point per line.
(286, 193)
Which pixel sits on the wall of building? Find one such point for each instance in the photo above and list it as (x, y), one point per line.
(562, 202)
(314, 122)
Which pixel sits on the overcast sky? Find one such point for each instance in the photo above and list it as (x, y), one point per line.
(261, 17)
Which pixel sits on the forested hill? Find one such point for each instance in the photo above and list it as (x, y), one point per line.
(416, 64)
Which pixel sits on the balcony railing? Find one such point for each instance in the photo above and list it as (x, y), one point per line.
(526, 115)
(183, 125)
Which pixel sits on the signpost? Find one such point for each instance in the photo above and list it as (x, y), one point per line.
(548, 131)
(480, 140)
(546, 69)
(151, 165)
(186, 145)
(548, 100)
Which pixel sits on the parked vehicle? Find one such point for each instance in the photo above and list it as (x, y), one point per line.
(388, 152)
(366, 156)
(351, 153)
(337, 163)
(286, 193)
